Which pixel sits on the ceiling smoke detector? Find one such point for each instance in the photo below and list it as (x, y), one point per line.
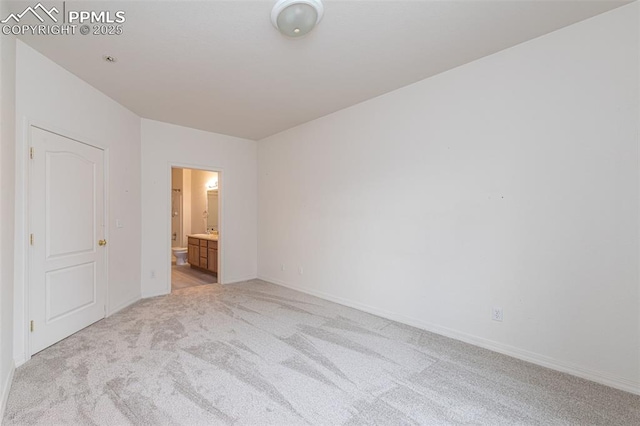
(295, 18)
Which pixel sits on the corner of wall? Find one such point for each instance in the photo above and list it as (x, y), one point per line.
(123, 305)
(6, 387)
(7, 213)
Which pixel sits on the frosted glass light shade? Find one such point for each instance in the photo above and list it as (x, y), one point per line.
(295, 18)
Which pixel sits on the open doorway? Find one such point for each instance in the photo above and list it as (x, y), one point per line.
(195, 224)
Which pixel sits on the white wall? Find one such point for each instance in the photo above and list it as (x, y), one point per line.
(164, 145)
(54, 98)
(7, 228)
(511, 181)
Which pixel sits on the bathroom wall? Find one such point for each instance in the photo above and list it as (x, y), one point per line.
(199, 180)
(186, 205)
(194, 200)
(177, 213)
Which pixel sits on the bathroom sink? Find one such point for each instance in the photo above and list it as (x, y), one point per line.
(211, 237)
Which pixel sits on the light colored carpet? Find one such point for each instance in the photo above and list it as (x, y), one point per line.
(256, 353)
(183, 276)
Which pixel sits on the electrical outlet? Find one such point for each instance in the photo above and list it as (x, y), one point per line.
(282, 268)
(496, 314)
(300, 270)
(153, 273)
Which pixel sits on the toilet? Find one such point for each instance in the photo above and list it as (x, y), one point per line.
(181, 255)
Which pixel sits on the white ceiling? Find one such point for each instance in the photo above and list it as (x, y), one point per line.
(221, 66)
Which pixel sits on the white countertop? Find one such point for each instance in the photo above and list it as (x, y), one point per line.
(209, 237)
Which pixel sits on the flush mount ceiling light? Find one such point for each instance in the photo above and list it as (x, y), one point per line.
(295, 18)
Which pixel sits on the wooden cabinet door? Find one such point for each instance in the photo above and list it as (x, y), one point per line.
(194, 255)
(213, 260)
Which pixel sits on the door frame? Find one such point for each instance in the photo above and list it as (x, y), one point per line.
(22, 287)
(221, 233)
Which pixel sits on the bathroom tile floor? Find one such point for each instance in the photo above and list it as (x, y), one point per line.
(183, 276)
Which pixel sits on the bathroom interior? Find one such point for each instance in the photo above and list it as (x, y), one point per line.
(194, 227)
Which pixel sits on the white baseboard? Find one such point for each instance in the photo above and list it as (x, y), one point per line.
(6, 387)
(231, 281)
(123, 305)
(239, 280)
(155, 294)
(532, 357)
(19, 360)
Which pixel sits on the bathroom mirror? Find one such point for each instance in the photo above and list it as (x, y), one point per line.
(212, 209)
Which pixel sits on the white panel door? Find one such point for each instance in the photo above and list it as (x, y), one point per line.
(67, 281)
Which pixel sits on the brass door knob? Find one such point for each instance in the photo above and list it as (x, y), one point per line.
(102, 242)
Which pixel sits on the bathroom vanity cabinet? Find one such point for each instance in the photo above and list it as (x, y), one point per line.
(203, 253)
